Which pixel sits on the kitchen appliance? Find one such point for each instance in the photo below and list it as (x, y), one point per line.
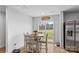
(71, 36)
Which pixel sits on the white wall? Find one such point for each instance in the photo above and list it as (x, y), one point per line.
(61, 22)
(17, 24)
(56, 28)
(71, 15)
(35, 23)
(2, 29)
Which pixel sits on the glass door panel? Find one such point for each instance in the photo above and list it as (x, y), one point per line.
(46, 27)
(49, 30)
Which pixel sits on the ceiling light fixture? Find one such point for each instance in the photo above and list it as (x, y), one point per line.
(45, 18)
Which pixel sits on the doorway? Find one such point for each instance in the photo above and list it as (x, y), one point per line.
(46, 27)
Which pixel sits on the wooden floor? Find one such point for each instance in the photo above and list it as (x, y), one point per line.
(2, 50)
(52, 48)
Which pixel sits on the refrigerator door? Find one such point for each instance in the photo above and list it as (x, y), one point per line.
(69, 35)
(77, 36)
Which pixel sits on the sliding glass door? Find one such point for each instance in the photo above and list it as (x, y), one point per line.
(46, 27)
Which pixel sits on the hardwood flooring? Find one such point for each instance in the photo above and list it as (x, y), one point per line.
(2, 50)
(52, 48)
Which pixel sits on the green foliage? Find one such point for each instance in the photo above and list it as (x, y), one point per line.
(50, 33)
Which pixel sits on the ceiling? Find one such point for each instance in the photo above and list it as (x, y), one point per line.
(42, 10)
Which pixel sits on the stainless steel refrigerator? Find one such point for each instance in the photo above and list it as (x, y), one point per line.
(71, 36)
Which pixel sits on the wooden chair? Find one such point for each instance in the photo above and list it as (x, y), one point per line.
(30, 44)
(44, 43)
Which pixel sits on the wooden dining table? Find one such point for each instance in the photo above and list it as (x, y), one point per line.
(36, 44)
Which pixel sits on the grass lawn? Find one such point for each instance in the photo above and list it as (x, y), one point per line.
(50, 33)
